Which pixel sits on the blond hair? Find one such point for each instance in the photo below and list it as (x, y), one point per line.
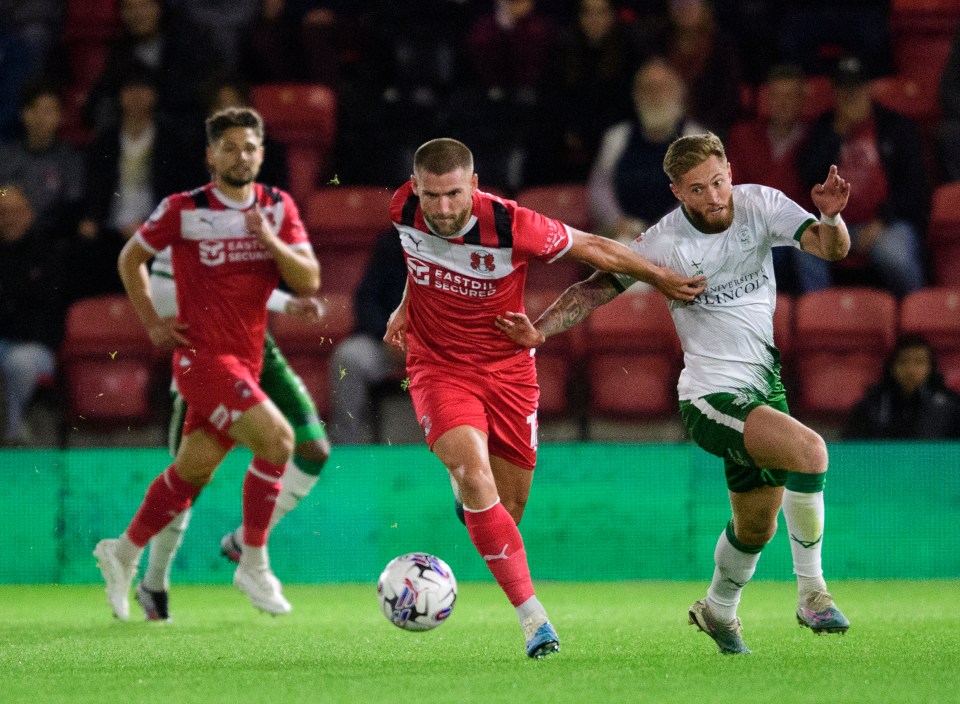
(689, 152)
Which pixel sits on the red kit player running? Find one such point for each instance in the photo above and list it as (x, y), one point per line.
(232, 241)
(475, 392)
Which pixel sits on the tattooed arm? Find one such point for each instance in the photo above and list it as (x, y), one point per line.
(574, 304)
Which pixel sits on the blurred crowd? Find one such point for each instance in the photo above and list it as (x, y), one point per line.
(102, 105)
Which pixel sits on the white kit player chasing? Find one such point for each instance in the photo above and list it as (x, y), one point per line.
(732, 401)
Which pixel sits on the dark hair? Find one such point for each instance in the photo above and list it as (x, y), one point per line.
(35, 88)
(221, 121)
(441, 156)
(909, 341)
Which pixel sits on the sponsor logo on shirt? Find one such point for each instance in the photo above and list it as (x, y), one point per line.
(216, 252)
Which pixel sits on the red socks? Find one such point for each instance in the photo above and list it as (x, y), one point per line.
(261, 487)
(498, 541)
(166, 497)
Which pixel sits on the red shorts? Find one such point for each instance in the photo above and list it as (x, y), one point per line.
(503, 404)
(218, 389)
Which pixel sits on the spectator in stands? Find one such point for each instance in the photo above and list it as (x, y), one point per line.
(628, 189)
(586, 91)
(36, 26)
(178, 53)
(49, 170)
(879, 152)
(223, 22)
(815, 33)
(910, 402)
(128, 173)
(764, 150)
(31, 307)
(949, 132)
(365, 359)
(14, 70)
(707, 60)
(510, 49)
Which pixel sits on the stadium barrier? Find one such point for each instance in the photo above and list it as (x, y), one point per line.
(596, 512)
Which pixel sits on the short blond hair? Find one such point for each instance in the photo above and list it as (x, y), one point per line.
(689, 152)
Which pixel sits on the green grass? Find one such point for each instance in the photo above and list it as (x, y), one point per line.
(621, 642)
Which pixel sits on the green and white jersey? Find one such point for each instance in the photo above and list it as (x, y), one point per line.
(727, 331)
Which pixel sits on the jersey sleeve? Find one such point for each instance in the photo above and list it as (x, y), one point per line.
(292, 230)
(786, 220)
(162, 228)
(539, 237)
(651, 246)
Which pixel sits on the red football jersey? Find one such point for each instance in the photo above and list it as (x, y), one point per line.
(457, 286)
(224, 275)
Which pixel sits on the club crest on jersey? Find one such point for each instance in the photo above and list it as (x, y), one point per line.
(482, 261)
(743, 234)
(212, 253)
(243, 389)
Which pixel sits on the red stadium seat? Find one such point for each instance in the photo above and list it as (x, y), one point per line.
(922, 32)
(348, 215)
(908, 96)
(566, 202)
(783, 324)
(842, 336)
(304, 118)
(633, 357)
(341, 268)
(110, 368)
(308, 346)
(934, 313)
(943, 234)
(557, 358)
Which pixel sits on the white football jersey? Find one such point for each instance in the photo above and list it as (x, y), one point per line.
(727, 332)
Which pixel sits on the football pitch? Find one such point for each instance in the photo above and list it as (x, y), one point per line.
(620, 642)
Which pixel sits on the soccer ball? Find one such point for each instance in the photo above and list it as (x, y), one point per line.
(417, 591)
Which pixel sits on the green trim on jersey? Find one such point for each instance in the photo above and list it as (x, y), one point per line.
(161, 274)
(715, 422)
(804, 226)
(286, 389)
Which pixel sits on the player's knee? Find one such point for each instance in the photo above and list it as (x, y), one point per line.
(276, 444)
(515, 508)
(756, 531)
(814, 458)
(316, 451)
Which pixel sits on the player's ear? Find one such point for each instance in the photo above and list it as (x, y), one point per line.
(676, 192)
(414, 184)
(474, 181)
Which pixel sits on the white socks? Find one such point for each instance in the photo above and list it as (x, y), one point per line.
(804, 514)
(163, 547)
(734, 568)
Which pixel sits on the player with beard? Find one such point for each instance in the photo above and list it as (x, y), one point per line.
(627, 187)
(732, 401)
(232, 240)
(475, 392)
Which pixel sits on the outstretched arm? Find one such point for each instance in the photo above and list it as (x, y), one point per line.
(574, 304)
(610, 256)
(829, 238)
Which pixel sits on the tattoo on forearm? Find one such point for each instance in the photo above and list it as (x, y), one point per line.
(576, 303)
